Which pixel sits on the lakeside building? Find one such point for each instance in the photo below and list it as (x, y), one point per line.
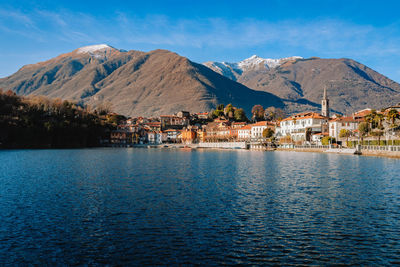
(217, 130)
(300, 127)
(153, 126)
(172, 135)
(173, 122)
(340, 123)
(361, 114)
(189, 136)
(244, 133)
(258, 128)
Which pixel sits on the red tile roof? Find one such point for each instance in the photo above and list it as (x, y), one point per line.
(246, 127)
(305, 115)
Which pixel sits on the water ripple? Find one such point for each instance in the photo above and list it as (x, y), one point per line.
(162, 207)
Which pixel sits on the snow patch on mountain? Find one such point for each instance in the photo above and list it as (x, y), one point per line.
(94, 48)
(254, 62)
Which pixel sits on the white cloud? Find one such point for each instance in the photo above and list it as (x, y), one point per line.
(323, 36)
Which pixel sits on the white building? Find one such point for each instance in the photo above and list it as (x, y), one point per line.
(258, 128)
(172, 135)
(337, 124)
(301, 126)
(244, 132)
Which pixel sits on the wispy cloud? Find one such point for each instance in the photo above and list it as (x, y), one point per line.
(324, 37)
(330, 36)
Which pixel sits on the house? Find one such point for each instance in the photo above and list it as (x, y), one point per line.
(201, 134)
(121, 138)
(154, 137)
(301, 126)
(202, 115)
(244, 133)
(317, 138)
(217, 130)
(258, 128)
(188, 136)
(153, 126)
(347, 123)
(173, 122)
(361, 114)
(183, 114)
(172, 135)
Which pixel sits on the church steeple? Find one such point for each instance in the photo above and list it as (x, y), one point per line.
(325, 105)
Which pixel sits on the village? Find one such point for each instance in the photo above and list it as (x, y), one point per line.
(228, 127)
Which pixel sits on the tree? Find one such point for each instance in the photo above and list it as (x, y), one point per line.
(393, 115)
(240, 115)
(363, 129)
(379, 134)
(270, 114)
(328, 140)
(345, 134)
(217, 113)
(268, 133)
(229, 111)
(378, 119)
(104, 108)
(258, 112)
(370, 118)
(273, 113)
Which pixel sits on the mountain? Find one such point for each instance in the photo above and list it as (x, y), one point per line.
(135, 83)
(300, 82)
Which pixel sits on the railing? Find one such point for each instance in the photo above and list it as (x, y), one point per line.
(381, 148)
(304, 146)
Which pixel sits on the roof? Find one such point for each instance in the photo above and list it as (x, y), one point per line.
(305, 115)
(246, 127)
(263, 123)
(170, 116)
(362, 113)
(155, 123)
(345, 119)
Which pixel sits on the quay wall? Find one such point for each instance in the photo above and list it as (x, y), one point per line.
(381, 151)
(231, 145)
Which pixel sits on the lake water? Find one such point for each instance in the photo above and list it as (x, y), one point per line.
(163, 207)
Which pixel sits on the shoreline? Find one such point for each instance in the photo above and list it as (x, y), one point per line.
(367, 153)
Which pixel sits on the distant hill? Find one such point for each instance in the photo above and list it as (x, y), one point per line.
(135, 83)
(299, 82)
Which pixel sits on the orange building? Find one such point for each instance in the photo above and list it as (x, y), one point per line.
(188, 136)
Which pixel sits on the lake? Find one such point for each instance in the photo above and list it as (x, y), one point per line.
(131, 206)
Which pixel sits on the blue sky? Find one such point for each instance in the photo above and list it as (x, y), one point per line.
(367, 31)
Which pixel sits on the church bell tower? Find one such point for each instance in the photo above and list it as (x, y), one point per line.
(325, 105)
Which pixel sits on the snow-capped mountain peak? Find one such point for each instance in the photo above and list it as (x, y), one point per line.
(233, 70)
(254, 62)
(94, 48)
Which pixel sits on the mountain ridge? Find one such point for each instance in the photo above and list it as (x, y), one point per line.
(351, 85)
(136, 83)
(162, 82)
